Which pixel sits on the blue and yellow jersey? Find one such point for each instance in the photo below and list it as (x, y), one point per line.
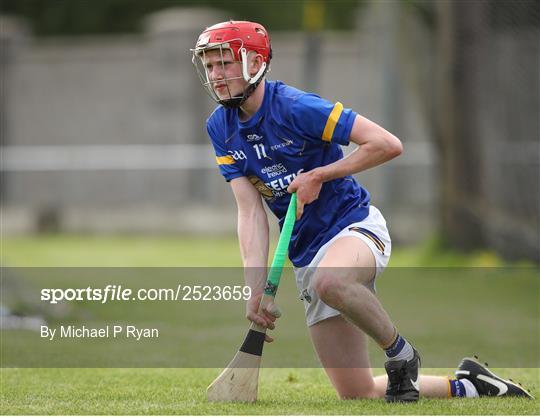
(292, 132)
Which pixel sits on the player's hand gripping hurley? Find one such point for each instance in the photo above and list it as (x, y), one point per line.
(240, 380)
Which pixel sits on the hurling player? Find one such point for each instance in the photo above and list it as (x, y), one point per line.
(270, 140)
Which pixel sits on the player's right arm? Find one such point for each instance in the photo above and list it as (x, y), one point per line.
(253, 235)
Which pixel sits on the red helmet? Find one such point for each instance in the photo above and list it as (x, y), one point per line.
(240, 38)
(237, 34)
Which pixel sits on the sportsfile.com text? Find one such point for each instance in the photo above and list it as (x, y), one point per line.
(119, 293)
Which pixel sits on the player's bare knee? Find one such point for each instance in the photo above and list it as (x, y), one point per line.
(330, 288)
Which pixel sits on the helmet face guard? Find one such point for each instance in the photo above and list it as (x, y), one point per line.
(199, 61)
(220, 38)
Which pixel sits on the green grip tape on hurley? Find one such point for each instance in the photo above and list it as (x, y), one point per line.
(276, 268)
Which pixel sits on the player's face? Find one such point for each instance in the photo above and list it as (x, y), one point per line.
(224, 73)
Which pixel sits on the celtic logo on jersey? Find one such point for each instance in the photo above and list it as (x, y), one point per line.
(261, 187)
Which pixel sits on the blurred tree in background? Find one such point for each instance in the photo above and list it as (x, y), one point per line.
(81, 17)
(487, 126)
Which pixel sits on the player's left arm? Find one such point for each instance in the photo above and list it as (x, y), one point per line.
(375, 146)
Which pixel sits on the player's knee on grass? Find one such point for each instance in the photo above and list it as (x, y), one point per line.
(358, 395)
(330, 288)
(353, 384)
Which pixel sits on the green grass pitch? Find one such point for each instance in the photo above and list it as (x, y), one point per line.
(182, 391)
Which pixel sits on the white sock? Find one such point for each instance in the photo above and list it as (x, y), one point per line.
(405, 354)
(400, 350)
(470, 389)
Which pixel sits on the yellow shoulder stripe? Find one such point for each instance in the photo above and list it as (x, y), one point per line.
(225, 160)
(331, 122)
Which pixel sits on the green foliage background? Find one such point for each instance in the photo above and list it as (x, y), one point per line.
(79, 17)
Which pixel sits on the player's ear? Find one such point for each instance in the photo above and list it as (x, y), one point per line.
(256, 61)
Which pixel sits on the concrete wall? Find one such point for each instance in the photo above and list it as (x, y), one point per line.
(143, 91)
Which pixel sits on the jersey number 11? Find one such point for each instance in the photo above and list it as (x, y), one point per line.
(261, 152)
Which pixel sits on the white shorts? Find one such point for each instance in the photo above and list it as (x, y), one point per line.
(372, 230)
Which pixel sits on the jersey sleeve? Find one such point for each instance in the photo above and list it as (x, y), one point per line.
(227, 165)
(321, 120)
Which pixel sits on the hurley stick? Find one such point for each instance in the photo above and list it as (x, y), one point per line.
(240, 380)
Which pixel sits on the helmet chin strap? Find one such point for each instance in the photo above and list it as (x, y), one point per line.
(233, 103)
(254, 81)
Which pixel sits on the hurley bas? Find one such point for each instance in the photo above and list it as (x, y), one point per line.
(83, 332)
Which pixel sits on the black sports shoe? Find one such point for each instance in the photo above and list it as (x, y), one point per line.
(403, 384)
(486, 382)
